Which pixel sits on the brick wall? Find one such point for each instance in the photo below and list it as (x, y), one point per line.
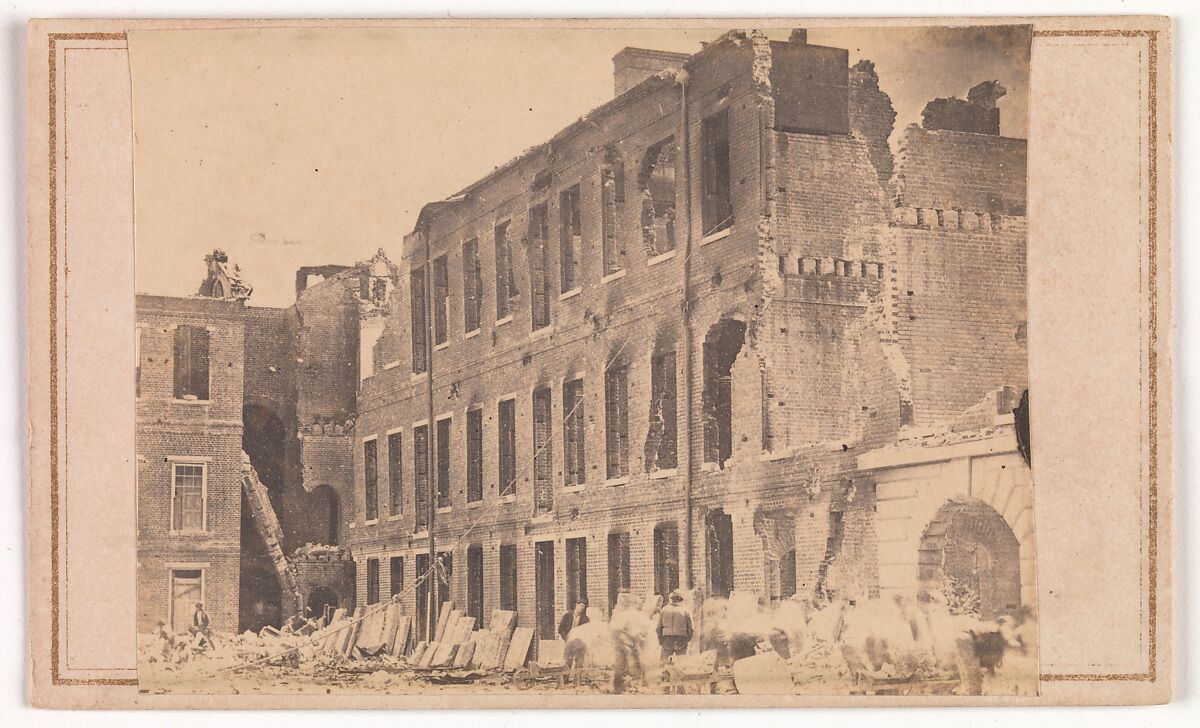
(811, 263)
(206, 433)
(950, 170)
(962, 314)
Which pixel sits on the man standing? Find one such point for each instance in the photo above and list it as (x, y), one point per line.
(200, 626)
(674, 627)
(571, 620)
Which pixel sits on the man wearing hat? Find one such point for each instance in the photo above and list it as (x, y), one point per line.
(674, 627)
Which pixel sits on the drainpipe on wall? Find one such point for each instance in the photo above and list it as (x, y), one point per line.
(431, 455)
(686, 311)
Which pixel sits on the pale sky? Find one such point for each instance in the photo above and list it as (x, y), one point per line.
(293, 147)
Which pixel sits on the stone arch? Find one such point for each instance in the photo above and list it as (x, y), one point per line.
(321, 597)
(969, 553)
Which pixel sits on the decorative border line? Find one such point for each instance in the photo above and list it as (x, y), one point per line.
(1151, 673)
(56, 677)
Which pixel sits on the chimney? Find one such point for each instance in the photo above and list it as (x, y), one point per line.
(631, 66)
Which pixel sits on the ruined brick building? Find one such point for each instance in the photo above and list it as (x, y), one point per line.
(714, 335)
(216, 378)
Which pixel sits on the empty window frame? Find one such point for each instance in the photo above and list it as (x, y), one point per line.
(574, 466)
(539, 267)
(570, 239)
(191, 362)
(441, 299)
(443, 462)
(475, 585)
(662, 434)
(395, 575)
(718, 539)
(421, 475)
(618, 567)
(372, 581)
(543, 452)
(721, 348)
(543, 588)
(474, 455)
(188, 495)
(395, 446)
(506, 288)
(506, 450)
(419, 328)
(787, 574)
(616, 420)
(371, 478)
(612, 193)
(716, 204)
(577, 590)
(508, 577)
(472, 285)
(423, 585)
(657, 184)
(666, 558)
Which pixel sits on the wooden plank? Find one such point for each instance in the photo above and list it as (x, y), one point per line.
(503, 622)
(370, 631)
(484, 655)
(518, 648)
(391, 623)
(418, 652)
(400, 638)
(352, 633)
(502, 643)
(465, 626)
(446, 614)
(462, 659)
(335, 624)
(443, 656)
(427, 658)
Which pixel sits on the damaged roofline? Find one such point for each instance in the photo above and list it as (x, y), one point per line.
(656, 81)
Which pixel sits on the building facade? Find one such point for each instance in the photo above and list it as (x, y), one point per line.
(244, 428)
(714, 336)
(658, 351)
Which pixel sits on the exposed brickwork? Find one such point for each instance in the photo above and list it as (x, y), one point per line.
(810, 263)
(872, 117)
(951, 170)
(206, 433)
(826, 241)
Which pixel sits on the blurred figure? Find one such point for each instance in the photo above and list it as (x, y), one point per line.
(627, 641)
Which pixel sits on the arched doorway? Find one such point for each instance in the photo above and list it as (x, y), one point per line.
(320, 598)
(970, 554)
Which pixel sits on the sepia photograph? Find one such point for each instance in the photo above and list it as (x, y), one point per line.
(593, 361)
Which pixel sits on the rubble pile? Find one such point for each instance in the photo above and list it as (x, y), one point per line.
(742, 645)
